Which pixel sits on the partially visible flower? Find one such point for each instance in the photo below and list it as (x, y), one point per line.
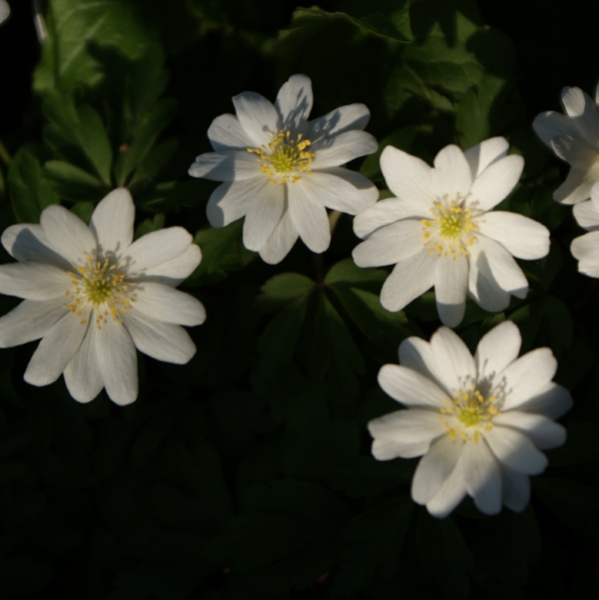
(93, 295)
(282, 172)
(4, 11)
(480, 421)
(574, 137)
(439, 231)
(586, 247)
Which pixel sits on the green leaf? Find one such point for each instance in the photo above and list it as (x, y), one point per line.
(73, 183)
(30, 191)
(149, 225)
(283, 289)
(83, 210)
(347, 273)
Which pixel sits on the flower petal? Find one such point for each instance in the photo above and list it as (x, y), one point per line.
(549, 125)
(587, 213)
(583, 113)
(226, 133)
(66, 233)
(453, 362)
(479, 157)
(158, 247)
(257, 116)
(231, 201)
(452, 173)
(586, 249)
(495, 183)
(408, 280)
(417, 354)
(34, 281)
(162, 341)
(263, 214)
(280, 242)
(386, 212)
(552, 401)
(309, 216)
(574, 151)
(56, 349)
(451, 493)
(515, 450)
(164, 303)
(233, 165)
(520, 236)
(112, 221)
(117, 360)
(542, 431)
(337, 150)
(340, 120)
(516, 489)
(390, 244)
(483, 477)
(294, 103)
(82, 375)
(451, 285)
(497, 349)
(389, 449)
(28, 243)
(410, 387)
(30, 321)
(482, 285)
(337, 191)
(577, 185)
(176, 270)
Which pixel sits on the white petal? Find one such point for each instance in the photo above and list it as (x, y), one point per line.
(56, 349)
(586, 249)
(528, 376)
(158, 247)
(344, 118)
(386, 212)
(574, 151)
(407, 427)
(257, 116)
(369, 193)
(549, 125)
(452, 173)
(233, 165)
(28, 243)
(451, 493)
(543, 432)
(409, 178)
(479, 157)
(294, 103)
(408, 280)
(66, 233)
(410, 387)
(34, 281)
(390, 244)
(176, 270)
(30, 321)
(309, 216)
(583, 113)
(226, 133)
(451, 284)
(117, 360)
(112, 221)
(496, 182)
(587, 214)
(389, 449)
(516, 489)
(483, 477)
(280, 242)
(482, 285)
(82, 375)
(515, 450)
(453, 361)
(417, 354)
(231, 201)
(434, 469)
(163, 303)
(162, 341)
(497, 349)
(552, 401)
(522, 237)
(263, 214)
(339, 149)
(577, 186)
(337, 193)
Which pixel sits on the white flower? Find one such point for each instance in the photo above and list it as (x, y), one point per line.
(586, 247)
(439, 231)
(281, 171)
(4, 10)
(93, 295)
(479, 422)
(575, 139)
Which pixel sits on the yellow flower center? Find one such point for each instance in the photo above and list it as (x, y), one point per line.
(285, 158)
(452, 229)
(469, 414)
(102, 283)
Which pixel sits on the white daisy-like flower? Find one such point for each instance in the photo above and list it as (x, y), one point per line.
(479, 422)
(281, 172)
(574, 137)
(586, 247)
(93, 295)
(439, 230)
(4, 10)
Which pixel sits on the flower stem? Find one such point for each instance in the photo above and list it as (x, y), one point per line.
(4, 154)
(333, 218)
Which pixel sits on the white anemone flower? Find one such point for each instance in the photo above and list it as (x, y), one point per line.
(574, 137)
(281, 172)
(439, 231)
(479, 422)
(93, 295)
(586, 247)
(4, 10)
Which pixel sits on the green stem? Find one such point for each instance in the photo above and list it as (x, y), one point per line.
(4, 155)
(333, 218)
